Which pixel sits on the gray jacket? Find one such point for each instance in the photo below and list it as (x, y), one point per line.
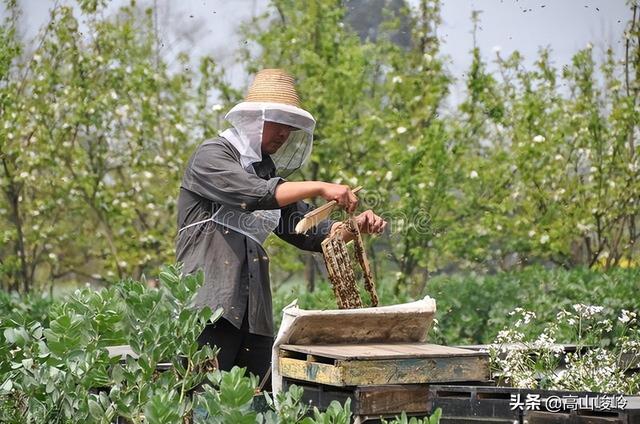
(236, 268)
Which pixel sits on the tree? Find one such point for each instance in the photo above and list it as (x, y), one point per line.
(554, 161)
(96, 131)
(369, 100)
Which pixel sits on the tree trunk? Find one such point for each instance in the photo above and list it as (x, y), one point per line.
(310, 273)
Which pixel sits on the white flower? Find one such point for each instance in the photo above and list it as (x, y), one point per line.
(388, 176)
(53, 256)
(180, 127)
(626, 316)
(544, 239)
(24, 175)
(122, 264)
(427, 57)
(397, 79)
(558, 157)
(538, 139)
(401, 130)
(473, 174)
(496, 49)
(122, 110)
(216, 107)
(411, 149)
(532, 233)
(587, 311)
(503, 334)
(421, 186)
(589, 46)
(582, 227)
(528, 316)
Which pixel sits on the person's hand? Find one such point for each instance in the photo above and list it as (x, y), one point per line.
(341, 194)
(370, 223)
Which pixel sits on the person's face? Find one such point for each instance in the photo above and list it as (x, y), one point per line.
(274, 135)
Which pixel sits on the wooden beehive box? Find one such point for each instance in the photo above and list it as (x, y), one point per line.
(382, 363)
(371, 346)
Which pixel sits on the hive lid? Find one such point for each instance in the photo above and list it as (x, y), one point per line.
(405, 323)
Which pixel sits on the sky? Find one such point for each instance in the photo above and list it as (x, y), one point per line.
(526, 25)
(211, 26)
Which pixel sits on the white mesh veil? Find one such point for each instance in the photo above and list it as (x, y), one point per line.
(248, 120)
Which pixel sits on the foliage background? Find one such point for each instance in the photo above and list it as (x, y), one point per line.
(534, 167)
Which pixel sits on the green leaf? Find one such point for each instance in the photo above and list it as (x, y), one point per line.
(6, 387)
(95, 409)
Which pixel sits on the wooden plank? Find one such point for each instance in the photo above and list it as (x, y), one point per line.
(518, 346)
(387, 371)
(366, 351)
(476, 420)
(577, 417)
(391, 399)
(414, 370)
(311, 219)
(311, 371)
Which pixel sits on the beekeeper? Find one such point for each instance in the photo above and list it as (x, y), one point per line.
(233, 196)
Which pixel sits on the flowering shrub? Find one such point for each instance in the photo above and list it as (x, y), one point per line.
(538, 362)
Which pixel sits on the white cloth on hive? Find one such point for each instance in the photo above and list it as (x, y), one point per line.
(404, 323)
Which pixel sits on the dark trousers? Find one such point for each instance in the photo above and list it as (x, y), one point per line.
(239, 347)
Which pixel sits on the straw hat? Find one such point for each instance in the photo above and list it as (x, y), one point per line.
(274, 86)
